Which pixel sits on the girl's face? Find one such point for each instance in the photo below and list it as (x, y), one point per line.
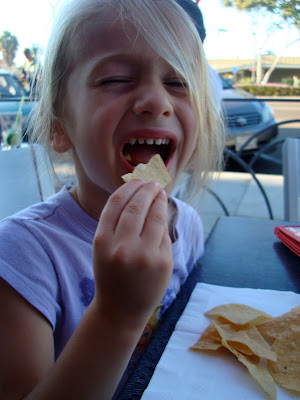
(123, 104)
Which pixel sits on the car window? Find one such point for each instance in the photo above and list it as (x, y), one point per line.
(225, 83)
(10, 87)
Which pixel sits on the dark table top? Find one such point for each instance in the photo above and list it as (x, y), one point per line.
(240, 252)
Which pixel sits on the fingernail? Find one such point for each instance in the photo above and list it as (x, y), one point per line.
(155, 183)
(139, 180)
(162, 191)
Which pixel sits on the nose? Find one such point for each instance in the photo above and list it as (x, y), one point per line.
(152, 99)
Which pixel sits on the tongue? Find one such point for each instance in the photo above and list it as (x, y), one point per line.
(140, 153)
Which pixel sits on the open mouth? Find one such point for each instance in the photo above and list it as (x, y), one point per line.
(140, 150)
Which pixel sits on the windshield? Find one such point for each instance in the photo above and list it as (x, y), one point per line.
(225, 83)
(10, 88)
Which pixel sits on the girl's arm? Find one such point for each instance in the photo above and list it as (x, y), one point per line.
(132, 266)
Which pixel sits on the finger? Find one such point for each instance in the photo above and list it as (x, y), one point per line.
(117, 201)
(134, 214)
(156, 223)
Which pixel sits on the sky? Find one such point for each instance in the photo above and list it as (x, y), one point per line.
(230, 33)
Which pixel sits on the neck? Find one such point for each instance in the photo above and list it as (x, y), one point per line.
(93, 209)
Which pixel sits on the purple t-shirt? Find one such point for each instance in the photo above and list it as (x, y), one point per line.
(46, 256)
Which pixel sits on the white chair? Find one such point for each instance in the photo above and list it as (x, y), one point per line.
(291, 173)
(25, 178)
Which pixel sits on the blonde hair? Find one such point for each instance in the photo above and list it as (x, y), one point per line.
(169, 31)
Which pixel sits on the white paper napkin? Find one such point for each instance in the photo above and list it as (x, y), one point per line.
(182, 374)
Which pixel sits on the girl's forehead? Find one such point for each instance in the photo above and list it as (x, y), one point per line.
(110, 39)
(108, 33)
(108, 30)
(108, 36)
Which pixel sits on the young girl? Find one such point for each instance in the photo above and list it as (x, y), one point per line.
(83, 273)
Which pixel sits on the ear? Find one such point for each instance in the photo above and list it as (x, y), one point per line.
(59, 139)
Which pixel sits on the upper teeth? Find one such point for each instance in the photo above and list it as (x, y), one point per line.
(149, 141)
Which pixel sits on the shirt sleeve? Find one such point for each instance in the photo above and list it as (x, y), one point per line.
(199, 239)
(26, 266)
(190, 227)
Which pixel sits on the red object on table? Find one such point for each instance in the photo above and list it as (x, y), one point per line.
(290, 236)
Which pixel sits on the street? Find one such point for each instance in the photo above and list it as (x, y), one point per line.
(287, 111)
(284, 111)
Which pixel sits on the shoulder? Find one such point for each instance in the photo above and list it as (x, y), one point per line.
(56, 208)
(39, 210)
(21, 234)
(27, 230)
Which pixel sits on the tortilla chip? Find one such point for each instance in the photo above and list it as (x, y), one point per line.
(154, 170)
(259, 373)
(209, 340)
(248, 337)
(273, 328)
(286, 371)
(239, 314)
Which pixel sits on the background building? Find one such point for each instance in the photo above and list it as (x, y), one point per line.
(243, 69)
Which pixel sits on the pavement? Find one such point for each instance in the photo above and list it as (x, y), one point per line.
(237, 190)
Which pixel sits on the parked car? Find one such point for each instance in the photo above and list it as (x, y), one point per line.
(245, 118)
(11, 95)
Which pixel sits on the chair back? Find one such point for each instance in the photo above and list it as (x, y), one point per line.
(291, 173)
(25, 178)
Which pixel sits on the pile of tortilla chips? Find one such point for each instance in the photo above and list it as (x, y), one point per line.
(252, 335)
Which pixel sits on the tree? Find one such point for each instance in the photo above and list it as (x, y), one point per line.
(286, 12)
(8, 45)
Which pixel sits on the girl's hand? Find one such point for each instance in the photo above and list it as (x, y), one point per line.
(132, 253)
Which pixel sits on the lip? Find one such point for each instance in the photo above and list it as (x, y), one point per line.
(149, 134)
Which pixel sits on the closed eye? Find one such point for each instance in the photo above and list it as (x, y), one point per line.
(111, 81)
(177, 84)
